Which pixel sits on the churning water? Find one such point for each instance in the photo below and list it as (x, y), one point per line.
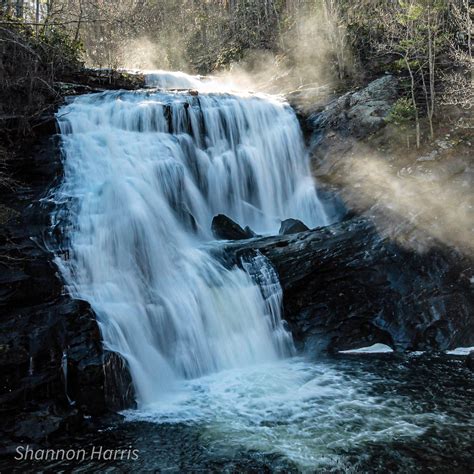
(145, 172)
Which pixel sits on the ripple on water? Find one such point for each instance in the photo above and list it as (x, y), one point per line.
(313, 414)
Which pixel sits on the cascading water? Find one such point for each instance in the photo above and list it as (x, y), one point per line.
(146, 172)
(172, 80)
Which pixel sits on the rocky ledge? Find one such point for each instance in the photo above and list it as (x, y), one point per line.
(346, 286)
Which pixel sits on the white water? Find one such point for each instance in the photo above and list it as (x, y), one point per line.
(310, 413)
(172, 80)
(373, 349)
(145, 172)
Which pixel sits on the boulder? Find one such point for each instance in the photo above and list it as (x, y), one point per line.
(336, 130)
(358, 113)
(185, 216)
(250, 232)
(225, 228)
(292, 226)
(345, 286)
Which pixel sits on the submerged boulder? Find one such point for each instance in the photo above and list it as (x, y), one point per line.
(225, 228)
(292, 226)
(186, 217)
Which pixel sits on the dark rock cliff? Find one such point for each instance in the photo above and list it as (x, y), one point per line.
(54, 369)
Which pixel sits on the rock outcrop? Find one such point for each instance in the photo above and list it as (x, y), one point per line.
(225, 228)
(345, 286)
(361, 112)
(54, 368)
(351, 117)
(292, 226)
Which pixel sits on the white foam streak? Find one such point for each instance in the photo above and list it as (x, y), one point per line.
(460, 351)
(373, 349)
(172, 80)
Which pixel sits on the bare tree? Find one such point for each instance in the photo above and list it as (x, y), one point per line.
(459, 81)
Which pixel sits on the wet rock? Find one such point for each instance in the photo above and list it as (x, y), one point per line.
(292, 226)
(37, 425)
(54, 368)
(470, 361)
(345, 286)
(225, 228)
(119, 391)
(250, 232)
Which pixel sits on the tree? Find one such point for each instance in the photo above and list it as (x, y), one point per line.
(458, 81)
(414, 30)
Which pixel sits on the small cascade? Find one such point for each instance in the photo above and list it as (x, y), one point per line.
(265, 277)
(172, 80)
(145, 172)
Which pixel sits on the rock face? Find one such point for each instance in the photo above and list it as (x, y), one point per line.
(54, 369)
(292, 226)
(346, 119)
(358, 113)
(346, 287)
(225, 228)
(470, 360)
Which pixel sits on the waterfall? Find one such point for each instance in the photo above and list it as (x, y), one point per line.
(172, 80)
(144, 173)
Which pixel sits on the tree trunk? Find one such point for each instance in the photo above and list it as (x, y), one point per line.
(79, 22)
(413, 99)
(431, 66)
(468, 26)
(19, 8)
(37, 15)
